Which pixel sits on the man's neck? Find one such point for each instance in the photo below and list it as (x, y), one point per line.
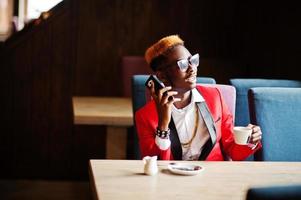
(185, 99)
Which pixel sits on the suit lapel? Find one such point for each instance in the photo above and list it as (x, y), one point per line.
(176, 148)
(211, 129)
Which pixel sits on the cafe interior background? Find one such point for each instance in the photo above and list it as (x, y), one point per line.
(51, 51)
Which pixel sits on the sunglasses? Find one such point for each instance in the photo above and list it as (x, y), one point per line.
(183, 64)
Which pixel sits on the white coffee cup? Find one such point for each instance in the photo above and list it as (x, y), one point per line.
(242, 135)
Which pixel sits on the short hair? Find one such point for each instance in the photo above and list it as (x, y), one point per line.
(155, 55)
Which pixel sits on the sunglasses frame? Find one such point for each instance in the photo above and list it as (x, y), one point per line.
(193, 60)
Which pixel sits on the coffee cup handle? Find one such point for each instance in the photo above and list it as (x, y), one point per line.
(249, 138)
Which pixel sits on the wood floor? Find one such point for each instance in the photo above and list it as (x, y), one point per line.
(46, 190)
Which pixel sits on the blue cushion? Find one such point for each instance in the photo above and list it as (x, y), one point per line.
(278, 112)
(289, 192)
(243, 85)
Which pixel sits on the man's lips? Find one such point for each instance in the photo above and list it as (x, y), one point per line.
(190, 79)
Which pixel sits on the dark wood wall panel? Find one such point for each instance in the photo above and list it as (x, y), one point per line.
(234, 39)
(89, 143)
(41, 117)
(271, 39)
(6, 132)
(23, 137)
(61, 130)
(109, 30)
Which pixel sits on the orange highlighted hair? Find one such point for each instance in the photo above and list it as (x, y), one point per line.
(160, 47)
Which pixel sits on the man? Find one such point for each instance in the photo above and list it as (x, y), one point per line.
(185, 121)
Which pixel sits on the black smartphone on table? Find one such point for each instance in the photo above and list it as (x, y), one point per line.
(158, 84)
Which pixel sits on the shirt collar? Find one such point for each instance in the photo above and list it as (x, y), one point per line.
(196, 96)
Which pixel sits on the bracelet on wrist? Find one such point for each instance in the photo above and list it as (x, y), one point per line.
(162, 134)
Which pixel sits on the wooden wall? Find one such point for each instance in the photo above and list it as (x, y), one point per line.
(38, 94)
(78, 50)
(270, 37)
(234, 39)
(38, 139)
(110, 29)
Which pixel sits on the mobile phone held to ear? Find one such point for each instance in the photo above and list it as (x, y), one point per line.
(158, 84)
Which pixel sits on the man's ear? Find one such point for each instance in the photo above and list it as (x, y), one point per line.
(162, 76)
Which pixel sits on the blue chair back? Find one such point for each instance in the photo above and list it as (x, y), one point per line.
(289, 192)
(243, 85)
(278, 112)
(139, 99)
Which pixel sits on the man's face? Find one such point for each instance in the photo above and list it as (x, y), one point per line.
(179, 78)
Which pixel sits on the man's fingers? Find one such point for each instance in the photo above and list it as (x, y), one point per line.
(173, 100)
(257, 134)
(256, 139)
(168, 96)
(163, 91)
(250, 126)
(152, 89)
(254, 128)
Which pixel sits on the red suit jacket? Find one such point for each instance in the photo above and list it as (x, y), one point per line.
(222, 143)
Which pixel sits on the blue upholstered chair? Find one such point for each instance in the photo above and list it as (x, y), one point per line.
(139, 98)
(243, 85)
(278, 112)
(289, 192)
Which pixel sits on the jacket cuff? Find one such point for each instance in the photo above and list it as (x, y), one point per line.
(163, 144)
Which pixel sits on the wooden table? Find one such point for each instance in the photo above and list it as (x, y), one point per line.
(123, 179)
(114, 112)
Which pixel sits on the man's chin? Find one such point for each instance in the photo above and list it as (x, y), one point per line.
(192, 84)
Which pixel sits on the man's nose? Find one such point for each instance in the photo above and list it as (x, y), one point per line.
(191, 68)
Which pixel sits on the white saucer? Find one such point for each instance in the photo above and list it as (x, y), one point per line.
(185, 169)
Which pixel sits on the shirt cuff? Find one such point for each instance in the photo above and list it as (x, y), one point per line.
(253, 146)
(163, 144)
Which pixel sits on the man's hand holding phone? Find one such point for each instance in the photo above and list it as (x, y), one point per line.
(164, 98)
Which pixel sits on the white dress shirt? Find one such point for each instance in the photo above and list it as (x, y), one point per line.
(184, 120)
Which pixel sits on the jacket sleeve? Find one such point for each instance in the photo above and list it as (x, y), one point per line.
(235, 151)
(145, 127)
